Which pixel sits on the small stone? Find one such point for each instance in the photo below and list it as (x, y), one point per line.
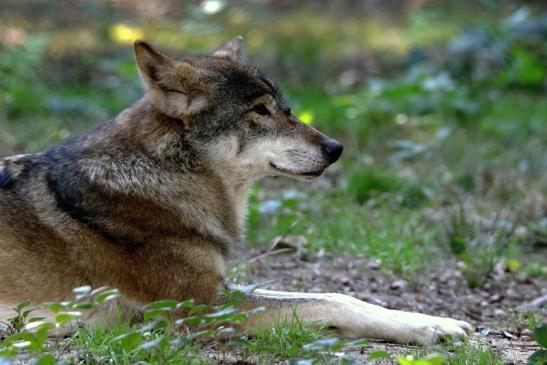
(396, 285)
(495, 298)
(510, 293)
(375, 265)
(499, 313)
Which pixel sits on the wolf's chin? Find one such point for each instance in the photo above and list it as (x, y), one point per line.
(300, 175)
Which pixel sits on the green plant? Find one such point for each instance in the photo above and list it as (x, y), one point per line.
(539, 357)
(31, 333)
(158, 336)
(159, 339)
(367, 184)
(19, 67)
(434, 359)
(467, 353)
(16, 323)
(478, 244)
(454, 353)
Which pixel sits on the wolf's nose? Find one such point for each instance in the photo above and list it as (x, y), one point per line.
(332, 150)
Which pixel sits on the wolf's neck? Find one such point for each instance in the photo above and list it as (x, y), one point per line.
(135, 162)
(241, 197)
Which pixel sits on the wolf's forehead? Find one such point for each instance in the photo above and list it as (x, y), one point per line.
(250, 83)
(250, 80)
(246, 80)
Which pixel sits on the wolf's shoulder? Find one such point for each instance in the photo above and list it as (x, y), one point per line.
(18, 168)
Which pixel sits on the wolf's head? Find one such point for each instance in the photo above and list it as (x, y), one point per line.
(234, 115)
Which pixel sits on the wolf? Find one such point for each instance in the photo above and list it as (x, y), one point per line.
(152, 201)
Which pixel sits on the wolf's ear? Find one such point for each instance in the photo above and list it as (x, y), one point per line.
(233, 50)
(154, 66)
(174, 87)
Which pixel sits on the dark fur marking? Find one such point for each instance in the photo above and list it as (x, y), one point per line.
(152, 73)
(6, 179)
(239, 84)
(29, 165)
(66, 201)
(240, 146)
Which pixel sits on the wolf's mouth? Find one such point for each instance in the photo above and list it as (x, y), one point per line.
(316, 173)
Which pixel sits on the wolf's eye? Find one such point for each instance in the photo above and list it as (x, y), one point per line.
(175, 91)
(261, 109)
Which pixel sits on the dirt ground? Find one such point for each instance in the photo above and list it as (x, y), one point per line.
(491, 308)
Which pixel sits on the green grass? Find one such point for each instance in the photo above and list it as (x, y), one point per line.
(462, 353)
(394, 234)
(479, 354)
(287, 340)
(284, 341)
(202, 337)
(106, 346)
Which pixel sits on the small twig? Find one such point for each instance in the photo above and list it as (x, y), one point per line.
(269, 253)
(535, 304)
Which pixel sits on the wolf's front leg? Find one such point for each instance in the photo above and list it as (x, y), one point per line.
(354, 318)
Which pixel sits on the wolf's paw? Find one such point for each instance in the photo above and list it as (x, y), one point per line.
(355, 318)
(436, 329)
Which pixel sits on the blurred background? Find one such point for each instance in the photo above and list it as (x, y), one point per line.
(441, 106)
